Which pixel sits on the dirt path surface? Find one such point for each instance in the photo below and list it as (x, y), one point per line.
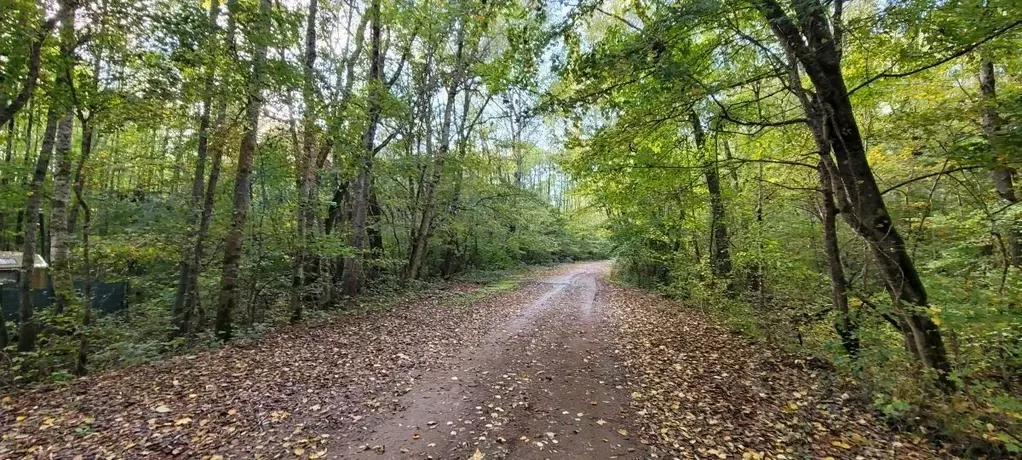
(565, 366)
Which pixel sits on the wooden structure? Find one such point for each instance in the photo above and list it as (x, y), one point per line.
(10, 269)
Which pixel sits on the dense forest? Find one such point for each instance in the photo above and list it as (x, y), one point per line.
(836, 177)
(252, 162)
(831, 178)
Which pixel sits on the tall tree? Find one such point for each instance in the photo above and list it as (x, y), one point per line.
(306, 222)
(720, 244)
(1001, 173)
(60, 260)
(811, 40)
(230, 281)
(184, 310)
(454, 85)
(27, 330)
(353, 264)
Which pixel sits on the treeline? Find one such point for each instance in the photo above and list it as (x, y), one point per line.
(833, 177)
(247, 162)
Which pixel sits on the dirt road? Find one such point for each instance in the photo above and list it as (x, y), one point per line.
(543, 384)
(565, 366)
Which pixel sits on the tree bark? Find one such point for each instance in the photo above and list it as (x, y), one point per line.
(845, 325)
(27, 330)
(833, 200)
(60, 263)
(243, 179)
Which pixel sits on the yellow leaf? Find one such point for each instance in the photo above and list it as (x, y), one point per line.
(183, 421)
(299, 451)
(478, 455)
(622, 432)
(841, 444)
(162, 409)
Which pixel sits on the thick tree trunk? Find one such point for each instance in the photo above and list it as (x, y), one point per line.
(1000, 174)
(27, 330)
(867, 213)
(306, 219)
(243, 181)
(720, 244)
(351, 284)
(60, 262)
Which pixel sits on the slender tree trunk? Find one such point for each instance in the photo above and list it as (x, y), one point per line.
(193, 303)
(9, 110)
(845, 325)
(81, 358)
(242, 182)
(8, 158)
(833, 200)
(1000, 174)
(306, 222)
(351, 283)
(429, 199)
(452, 258)
(27, 330)
(183, 310)
(720, 244)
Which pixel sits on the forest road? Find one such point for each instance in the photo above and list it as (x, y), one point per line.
(544, 384)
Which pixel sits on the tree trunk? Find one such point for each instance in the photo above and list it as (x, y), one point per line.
(351, 283)
(867, 213)
(833, 200)
(81, 358)
(193, 303)
(429, 199)
(243, 180)
(720, 244)
(8, 158)
(1000, 174)
(845, 325)
(183, 310)
(60, 263)
(306, 219)
(27, 329)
